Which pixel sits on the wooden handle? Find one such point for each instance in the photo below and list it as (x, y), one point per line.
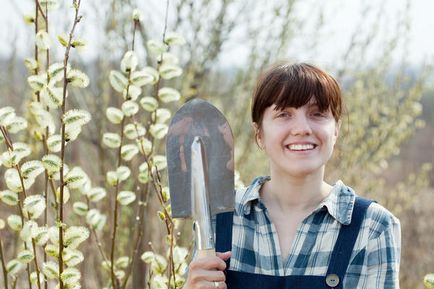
(206, 253)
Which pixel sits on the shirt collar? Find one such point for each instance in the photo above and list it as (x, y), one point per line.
(339, 203)
(250, 196)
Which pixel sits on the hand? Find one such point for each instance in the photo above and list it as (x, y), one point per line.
(207, 272)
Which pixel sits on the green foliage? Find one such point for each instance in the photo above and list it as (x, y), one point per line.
(54, 127)
(428, 281)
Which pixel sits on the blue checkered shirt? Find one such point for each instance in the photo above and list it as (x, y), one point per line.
(375, 258)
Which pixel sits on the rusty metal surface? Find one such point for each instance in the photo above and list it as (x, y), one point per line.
(198, 118)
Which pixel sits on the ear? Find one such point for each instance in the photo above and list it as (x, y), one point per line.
(257, 131)
(337, 129)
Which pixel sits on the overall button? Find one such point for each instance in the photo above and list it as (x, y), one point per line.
(332, 280)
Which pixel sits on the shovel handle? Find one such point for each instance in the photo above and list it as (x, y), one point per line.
(206, 253)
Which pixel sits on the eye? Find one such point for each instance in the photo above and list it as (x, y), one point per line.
(319, 114)
(283, 114)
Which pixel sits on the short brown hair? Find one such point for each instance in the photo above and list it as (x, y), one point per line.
(293, 85)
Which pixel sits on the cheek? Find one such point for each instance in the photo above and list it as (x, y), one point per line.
(330, 135)
(272, 134)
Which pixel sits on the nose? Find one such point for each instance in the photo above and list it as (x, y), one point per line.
(301, 125)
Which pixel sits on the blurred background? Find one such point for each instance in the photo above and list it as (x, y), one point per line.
(380, 52)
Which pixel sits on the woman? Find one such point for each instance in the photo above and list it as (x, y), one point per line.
(292, 229)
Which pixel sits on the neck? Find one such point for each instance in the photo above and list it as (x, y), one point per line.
(295, 193)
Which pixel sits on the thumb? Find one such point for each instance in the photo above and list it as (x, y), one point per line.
(224, 255)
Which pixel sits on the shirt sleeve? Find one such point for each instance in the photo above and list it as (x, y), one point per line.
(384, 257)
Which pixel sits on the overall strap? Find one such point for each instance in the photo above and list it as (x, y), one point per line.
(224, 233)
(346, 239)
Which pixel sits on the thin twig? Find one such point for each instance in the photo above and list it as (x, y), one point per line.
(77, 18)
(156, 180)
(167, 220)
(10, 147)
(159, 63)
(46, 217)
(39, 8)
(140, 212)
(47, 64)
(139, 224)
(6, 137)
(5, 273)
(36, 71)
(115, 215)
(98, 243)
(38, 275)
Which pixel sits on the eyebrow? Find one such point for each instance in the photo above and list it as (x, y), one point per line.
(314, 104)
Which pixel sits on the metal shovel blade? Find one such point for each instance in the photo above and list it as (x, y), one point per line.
(198, 118)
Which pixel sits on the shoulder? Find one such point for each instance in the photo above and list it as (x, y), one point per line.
(245, 195)
(380, 220)
(377, 218)
(379, 241)
(382, 232)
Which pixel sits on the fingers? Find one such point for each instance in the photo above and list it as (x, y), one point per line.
(219, 285)
(209, 276)
(224, 255)
(205, 279)
(206, 285)
(208, 263)
(207, 272)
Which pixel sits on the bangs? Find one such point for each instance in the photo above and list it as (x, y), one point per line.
(295, 86)
(299, 90)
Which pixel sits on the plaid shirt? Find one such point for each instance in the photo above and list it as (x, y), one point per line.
(375, 259)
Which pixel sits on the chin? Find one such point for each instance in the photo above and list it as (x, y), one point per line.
(304, 171)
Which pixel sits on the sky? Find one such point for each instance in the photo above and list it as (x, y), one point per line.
(421, 43)
(342, 16)
(423, 22)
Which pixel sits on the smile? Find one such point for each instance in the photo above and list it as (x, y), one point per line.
(301, 147)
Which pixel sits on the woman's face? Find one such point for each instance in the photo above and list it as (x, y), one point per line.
(298, 142)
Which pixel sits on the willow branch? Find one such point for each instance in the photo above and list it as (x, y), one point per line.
(139, 224)
(20, 201)
(39, 8)
(77, 18)
(5, 273)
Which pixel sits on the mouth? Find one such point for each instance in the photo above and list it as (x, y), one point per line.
(301, 147)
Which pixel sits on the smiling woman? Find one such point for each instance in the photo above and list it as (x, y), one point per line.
(292, 229)
(296, 114)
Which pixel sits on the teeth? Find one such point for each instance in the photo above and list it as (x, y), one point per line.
(301, 147)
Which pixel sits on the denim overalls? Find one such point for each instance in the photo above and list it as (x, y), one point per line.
(336, 271)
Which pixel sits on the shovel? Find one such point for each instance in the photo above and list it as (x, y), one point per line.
(200, 154)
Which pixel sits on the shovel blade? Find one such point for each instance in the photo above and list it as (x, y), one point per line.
(198, 118)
